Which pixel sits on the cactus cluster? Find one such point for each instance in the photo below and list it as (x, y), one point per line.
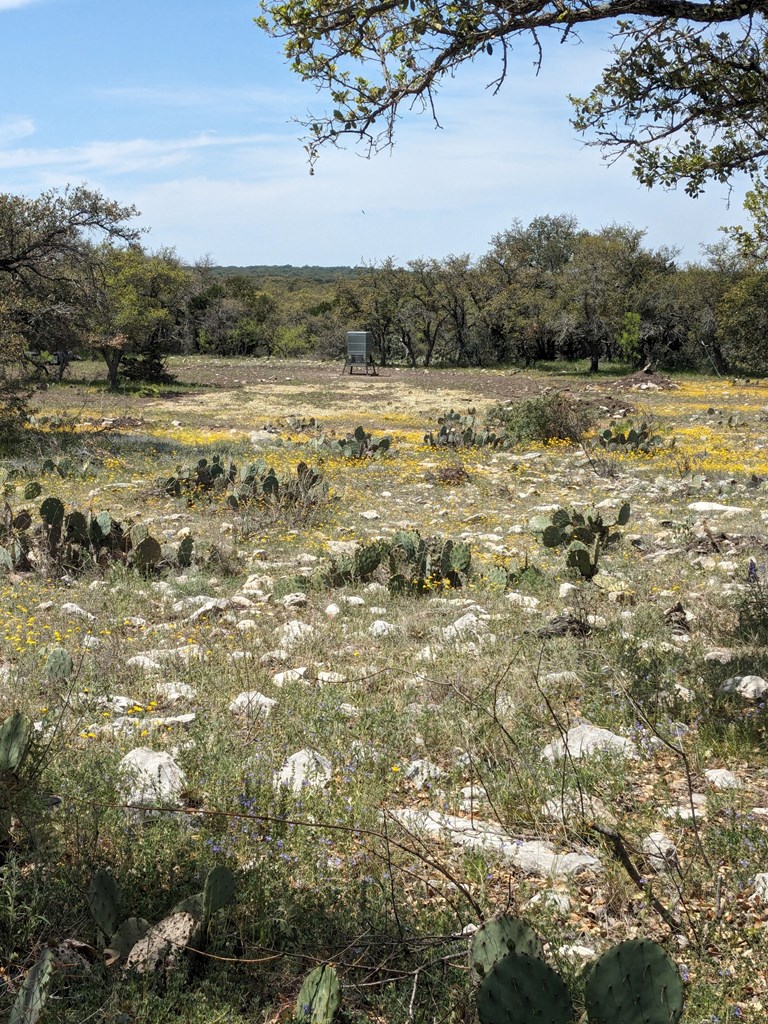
(624, 437)
(634, 982)
(406, 561)
(461, 430)
(78, 540)
(357, 445)
(253, 482)
(127, 938)
(584, 535)
(418, 563)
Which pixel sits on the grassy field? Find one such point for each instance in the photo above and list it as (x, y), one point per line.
(429, 709)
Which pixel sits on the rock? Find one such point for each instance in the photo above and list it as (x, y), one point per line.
(69, 608)
(721, 778)
(296, 600)
(761, 887)
(370, 514)
(150, 777)
(381, 628)
(683, 811)
(570, 807)
(332, 610)
(293, 631)
(468, 623)
(306, 769)
(252, 704)
(210, 609)
(531, 857)
(587, 739)
(748, 687)
(143, 663)
(421, 772)
(354, 601)
(324, 676)
(660, 852)
(291, 675)
(713, 506)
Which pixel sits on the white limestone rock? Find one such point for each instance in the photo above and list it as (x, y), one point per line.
(306, 769)
(586, 739)
(252, 704)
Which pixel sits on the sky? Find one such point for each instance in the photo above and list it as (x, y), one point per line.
(184, 109)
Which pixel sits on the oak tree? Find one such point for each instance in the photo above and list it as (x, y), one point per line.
(683, 93)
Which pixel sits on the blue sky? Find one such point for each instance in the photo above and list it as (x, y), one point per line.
(183, 107)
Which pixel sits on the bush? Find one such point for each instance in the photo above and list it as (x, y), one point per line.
(543, 418)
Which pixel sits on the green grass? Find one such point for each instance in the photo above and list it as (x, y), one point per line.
(330, 876)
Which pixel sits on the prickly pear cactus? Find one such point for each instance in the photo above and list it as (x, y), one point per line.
(147, 553)
(32, 996)
(498, 936)
(367, 560)
(58, 664)
(104, 902)
(219, 890)
(131, 931)
(521, 989)
(52, 512)
(15, 738)
(320, 996)
(634, 983)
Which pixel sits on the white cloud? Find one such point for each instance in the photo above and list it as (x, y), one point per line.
(121, 157)
(13, 128)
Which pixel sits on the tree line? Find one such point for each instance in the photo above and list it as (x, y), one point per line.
(75, 279)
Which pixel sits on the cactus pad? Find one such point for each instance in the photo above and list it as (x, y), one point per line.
(499, 936)
(320, 996)
(33, 994)
(219, 890)
(15, 738)
(521, 989)
(104, 902)
(634, 983)
(58, 664)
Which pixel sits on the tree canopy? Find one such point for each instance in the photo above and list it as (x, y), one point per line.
(683, 94)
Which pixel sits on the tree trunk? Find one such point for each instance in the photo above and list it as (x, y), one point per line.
(112, 357)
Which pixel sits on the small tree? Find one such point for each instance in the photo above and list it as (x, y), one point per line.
(48, 267)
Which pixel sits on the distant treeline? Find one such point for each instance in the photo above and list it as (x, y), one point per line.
(545, 291)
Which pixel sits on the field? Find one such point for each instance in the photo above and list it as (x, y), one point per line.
(436, 710)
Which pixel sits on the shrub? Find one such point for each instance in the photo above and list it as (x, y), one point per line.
(544, 418)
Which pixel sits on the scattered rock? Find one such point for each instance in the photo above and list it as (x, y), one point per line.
(721, 778)
(70, 608)
(660, 852)
(296, 600)
(421, 772)
(306, 769)
(252, 704)
(381, 628)
(587, 739)
(748, 687)
(150, 777)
